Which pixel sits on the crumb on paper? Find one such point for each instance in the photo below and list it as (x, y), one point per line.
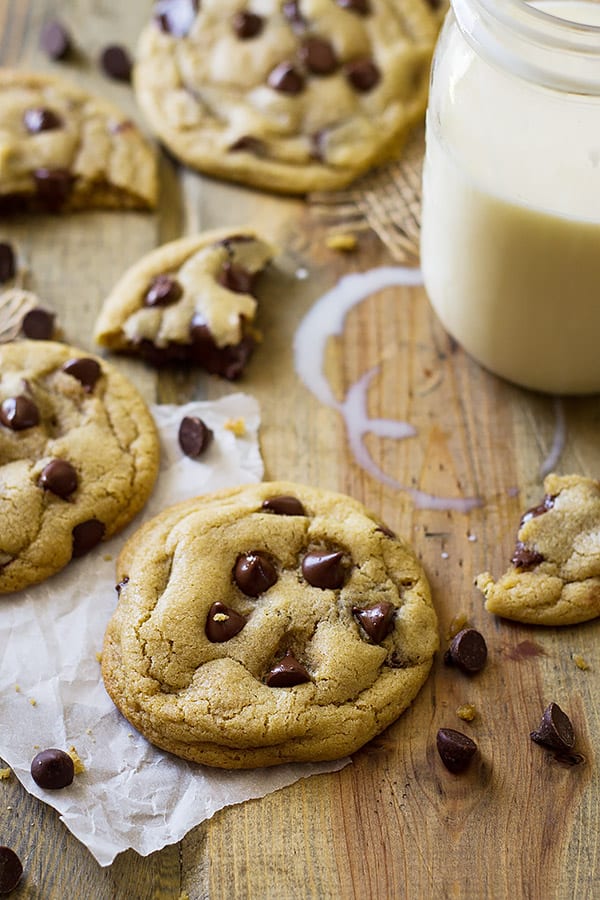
(99, 656)
(343, 241)
(5, 774)
(466, 712)
(580, 662)
(237, 426)
(77, 763)
(17, 688)
(458, 622)
(33, 701)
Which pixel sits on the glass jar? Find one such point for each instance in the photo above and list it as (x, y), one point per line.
(510, 241)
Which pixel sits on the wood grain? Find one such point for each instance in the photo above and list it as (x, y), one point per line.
(394, 824)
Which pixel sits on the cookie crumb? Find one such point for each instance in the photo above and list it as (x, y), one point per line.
(17, 688)
(5, 774)
(466, 712)
(33, 701)
(237, 426)
(580, 662)
(78, 766)
(342, 241)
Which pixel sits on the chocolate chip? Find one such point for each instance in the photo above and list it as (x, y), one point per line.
(223, 623)
(194, 436)
(362, 74)
(248, 144)
(11, 870)
(535, 511)
(555, 730)
(86, 370)
(318, 56)
(176, 17)
(324, 570)
(228, 361)
(59, 477)
(8, 265)
(86, 536)
(456, 749)
(115, 62)
(19, 413)
(38, 324)
(524, 558)
(362, 7)
(468, 651)
(53, 187)
(377, 620)
(40, 119)
(291, 11)
(286, 79)
(254, 573)
(287, 672)
(246, 24)
(52, 769)
(55, 40)
(284, 505)
(236, 278)
(163, 290)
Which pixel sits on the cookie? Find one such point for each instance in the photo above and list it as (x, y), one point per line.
(78, 457)
(266, 624)
(190, 301)
(286, 96)
(63, 149)
(555, 574)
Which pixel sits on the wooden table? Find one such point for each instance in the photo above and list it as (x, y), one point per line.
(395, 823)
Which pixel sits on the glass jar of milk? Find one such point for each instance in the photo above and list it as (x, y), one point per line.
(510, 243)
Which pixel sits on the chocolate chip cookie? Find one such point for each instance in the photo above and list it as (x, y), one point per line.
(287, 96)
(554, 578)
(189, 301)
(78, 457)
(62, 149)
(265, 624)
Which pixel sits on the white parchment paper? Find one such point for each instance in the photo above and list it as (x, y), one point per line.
(131, 795)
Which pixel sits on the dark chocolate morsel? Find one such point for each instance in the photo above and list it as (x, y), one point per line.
(8, 266)
(524, 558)
(284, 505)
(40, 119)
(176, 17)
(286, 79)
(247, 24)
(248, 144)
(11, 870)
(236, 278)
(468, 651)
(362, 7)
(19, 413)
(38, 324)
(55, 40)
(59, 477)
(362, 74)
(163, 290)
(115, 61)
(456, 749)
(194, 436)
(223, 623)
(324, 570)
(52, 769)
(86, 536)
(86, 370)
(53, 187)
(254, 573)
(287, 672)
(377, 620)
(228, 361)
(535, 511)
(555, 729)
(318, 56)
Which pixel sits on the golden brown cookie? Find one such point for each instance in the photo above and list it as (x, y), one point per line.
(78, 457)
(63, 149)
(287, 96)
(555, 573)
(266, 624)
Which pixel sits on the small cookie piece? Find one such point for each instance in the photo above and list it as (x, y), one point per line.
(223, 652)
(62, 149)
(78, 457)
(293, 97)
(555, 573)
(189, 301)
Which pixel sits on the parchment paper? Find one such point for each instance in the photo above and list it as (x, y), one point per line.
(51, 693)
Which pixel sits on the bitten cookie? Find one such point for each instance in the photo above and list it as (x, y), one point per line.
(287, 96)
(266, 624)
(63, 149)
(190, 301)
(555, 574)
(78, 457)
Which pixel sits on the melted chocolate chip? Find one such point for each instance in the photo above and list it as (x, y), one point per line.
(247, 24)
(456, 749)
(254, 573)
(11, 870)
(176, 17)
(55, 40)
(236, 278)
(284, 505)
(223, 623)
(286, 79)
(8, 265)
(52, 769)
(555, 730)
(163, 290)
(86, 370)
(38, 324)
(287, 672)
(194, 436)
(19, 413)
(535, 511)
(361, 7)
(524, 558)
(86, 536)
(362, 74)
(228, 361)
(115, 62)
(53, 187)
(318, 56)
(468, 651)
(377, 620)
(36, 120)
(324, 570)
(249, 144)
(59, 477)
